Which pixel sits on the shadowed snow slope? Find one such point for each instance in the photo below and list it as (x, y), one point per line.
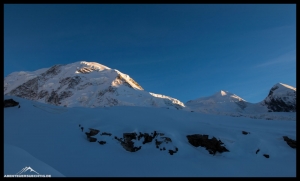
(52, 135)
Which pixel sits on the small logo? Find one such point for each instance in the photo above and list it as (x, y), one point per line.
(27, 172)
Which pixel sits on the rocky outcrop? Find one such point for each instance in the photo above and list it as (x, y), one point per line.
(10, 103)
(127, 142)
(245, 132)
(173, 151)
(212, 145)
(290, 142)
(104, 133)
(281, 98)
(102, 142)
(278, 105)
(92, 132)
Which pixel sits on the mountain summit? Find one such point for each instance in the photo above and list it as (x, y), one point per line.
(281, 98)
(222, 101)
(86, 84)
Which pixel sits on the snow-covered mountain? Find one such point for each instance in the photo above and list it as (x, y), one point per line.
(90, 84)
(83, 84)
(281, 98)
(222, 101)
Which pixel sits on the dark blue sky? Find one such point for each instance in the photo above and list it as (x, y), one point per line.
(185, 51)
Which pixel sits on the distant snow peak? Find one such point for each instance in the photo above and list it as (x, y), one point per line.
(227, 95)
(223, 93)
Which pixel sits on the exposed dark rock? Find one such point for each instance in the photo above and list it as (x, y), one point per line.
(266, 155)
(245, 132)
(147, 138)
(154, 134)
(119, 139)
(129, 136)
(54, 70)
(257, 151)
(127, 143)
(54, 98)
(42, 94)
(10, 103)
(102, 142)
(157, 143)
(278, 105)
(64, 95)
(290, 142)
(104, 133)
(80, 87)
(286, 102)
(73, 82)
(27, 90)
(92, 132)
(212, 145)
(167, 139)
(92, 139)
(173, 151)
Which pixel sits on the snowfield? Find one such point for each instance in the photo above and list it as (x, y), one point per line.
(49, 139)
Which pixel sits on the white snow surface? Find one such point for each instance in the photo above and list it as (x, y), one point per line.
(48, 139)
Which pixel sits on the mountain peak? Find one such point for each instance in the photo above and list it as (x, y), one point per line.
(284, 86)
(86, 67)
(281, 98)
(82, 83)
(223, 93)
